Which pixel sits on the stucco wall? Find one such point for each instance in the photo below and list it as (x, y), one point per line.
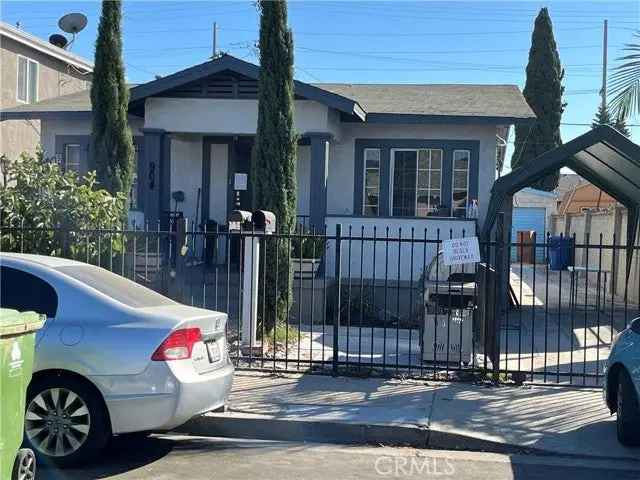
(186, 172)
(341, 159)
(225, 116)
(219, 181)
(52, 128)
(55, 78)
(601, 227)
(387, 254)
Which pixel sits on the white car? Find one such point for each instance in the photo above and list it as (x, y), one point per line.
(114, 357)
(622, 383)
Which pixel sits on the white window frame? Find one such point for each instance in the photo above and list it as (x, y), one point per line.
(364, 180)
(392, 173)
(453, 178)
(30, 62)
(66, 156)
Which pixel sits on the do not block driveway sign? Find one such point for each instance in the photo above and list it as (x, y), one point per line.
(459, 251)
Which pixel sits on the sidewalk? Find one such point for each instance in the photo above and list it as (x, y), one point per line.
(557, 420)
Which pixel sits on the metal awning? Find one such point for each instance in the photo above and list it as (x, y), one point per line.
(603, 156)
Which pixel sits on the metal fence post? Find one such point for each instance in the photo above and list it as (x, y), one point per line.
(338, 277)
(181, 257)
(501, 290)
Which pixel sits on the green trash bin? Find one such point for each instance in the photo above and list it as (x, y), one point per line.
(17, 345)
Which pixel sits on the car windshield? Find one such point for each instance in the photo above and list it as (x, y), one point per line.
(119, 288)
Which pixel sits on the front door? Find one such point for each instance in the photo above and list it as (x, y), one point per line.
(241, 192)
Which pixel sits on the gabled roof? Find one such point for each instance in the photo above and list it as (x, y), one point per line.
(405, 104)
(45, 47)
(603, 156)
(228, 62)
(498, 103)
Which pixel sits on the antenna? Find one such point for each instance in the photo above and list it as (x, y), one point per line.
(58, 40)
(72, 23)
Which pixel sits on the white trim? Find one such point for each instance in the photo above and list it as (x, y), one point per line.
(392, 166)
(30, 62)
(44, 47)
(26, 75)
(453, 176)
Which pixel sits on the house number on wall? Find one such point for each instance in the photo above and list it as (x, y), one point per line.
(152, 175)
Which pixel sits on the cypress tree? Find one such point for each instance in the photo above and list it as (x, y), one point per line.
(543, 92)
(112, 141)
(602, 118)
(621, 125)
(274, 155)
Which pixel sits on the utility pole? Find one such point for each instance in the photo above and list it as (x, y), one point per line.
(215, 40)
(604, 68)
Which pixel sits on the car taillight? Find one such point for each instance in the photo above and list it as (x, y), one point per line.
(178, 345)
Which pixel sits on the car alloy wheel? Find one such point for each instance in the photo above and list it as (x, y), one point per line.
(57, 422)
(24, 467)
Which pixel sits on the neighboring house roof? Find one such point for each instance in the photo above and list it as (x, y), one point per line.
(567, 183)
(537, 193)
(585, 195)
(45, 47)
(500, 104)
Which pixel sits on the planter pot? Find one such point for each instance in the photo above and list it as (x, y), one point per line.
(305, 268)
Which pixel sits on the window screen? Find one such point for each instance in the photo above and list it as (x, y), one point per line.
(72, 153)
(371, 204)
(460, 188)
(27, 88)
(22, 79)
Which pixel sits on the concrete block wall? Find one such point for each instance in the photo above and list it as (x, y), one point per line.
(602, 227)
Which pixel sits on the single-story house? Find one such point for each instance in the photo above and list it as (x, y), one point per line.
(394, 155)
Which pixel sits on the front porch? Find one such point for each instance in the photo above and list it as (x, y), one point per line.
(213, 172)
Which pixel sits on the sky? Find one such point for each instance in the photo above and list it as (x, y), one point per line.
(368, 42)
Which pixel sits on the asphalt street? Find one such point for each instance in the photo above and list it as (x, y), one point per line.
(198, 458)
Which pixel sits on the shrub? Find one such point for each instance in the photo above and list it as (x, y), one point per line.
(50, 212)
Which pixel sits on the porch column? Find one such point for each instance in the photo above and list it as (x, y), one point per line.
(156, 176)
(319, 172)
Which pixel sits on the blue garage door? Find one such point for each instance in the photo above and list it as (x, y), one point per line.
(528, 218)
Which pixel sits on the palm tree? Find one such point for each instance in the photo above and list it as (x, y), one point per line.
(625, 82)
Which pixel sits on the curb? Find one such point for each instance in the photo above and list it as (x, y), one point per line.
(267, 428)
(226, 425)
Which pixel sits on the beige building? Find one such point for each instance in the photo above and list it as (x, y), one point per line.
(33, 70)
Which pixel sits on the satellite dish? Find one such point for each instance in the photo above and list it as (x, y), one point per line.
(72, 23)
(58, 40)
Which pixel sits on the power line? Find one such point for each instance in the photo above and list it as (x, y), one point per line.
(420, 34)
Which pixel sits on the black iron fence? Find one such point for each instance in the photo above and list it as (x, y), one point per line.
(376, 301)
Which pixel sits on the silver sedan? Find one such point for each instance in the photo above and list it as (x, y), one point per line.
(114, 357)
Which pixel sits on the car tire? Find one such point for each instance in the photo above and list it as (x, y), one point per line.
(628, 411)
(24, 466)
(66, 422)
